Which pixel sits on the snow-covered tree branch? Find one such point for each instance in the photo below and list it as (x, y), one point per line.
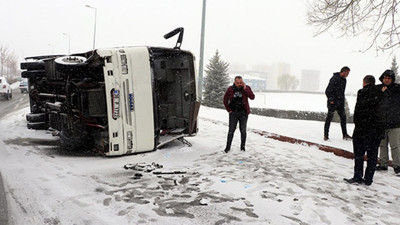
(376, 18)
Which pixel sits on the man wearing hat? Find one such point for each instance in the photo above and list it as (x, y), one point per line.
(389, 112)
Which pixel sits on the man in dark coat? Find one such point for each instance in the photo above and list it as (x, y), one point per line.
(237, 104)
(368, 132)
(336, 101)
(389, 112)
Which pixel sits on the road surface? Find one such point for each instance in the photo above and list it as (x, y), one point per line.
(18, 101)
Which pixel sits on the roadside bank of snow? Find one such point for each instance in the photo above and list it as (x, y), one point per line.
(296, 101)
(312, 131)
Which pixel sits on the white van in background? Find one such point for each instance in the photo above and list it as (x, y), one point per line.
(5, 88)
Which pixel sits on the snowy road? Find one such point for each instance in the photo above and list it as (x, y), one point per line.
(18, 101)
(272, 183)
(3, 204)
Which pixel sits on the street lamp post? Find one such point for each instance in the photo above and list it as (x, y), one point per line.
(203, 24)
(69, 42)
(95, 20)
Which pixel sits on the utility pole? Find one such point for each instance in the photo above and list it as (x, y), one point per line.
(95, 21)
(203, 24)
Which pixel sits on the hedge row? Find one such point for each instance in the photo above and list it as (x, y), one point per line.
(296, 115)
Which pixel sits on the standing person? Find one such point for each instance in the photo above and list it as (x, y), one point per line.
(237, 104)
(335, 94)
(390, 114)
(368, 132)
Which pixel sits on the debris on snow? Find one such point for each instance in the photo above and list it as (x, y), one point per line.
(169, 172)
(203, 201)
(137, 176)
(145, 167)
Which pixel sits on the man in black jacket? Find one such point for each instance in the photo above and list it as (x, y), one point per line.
(335, 94)
(389, 112)
(368, 132)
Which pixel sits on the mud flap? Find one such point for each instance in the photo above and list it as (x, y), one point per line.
(194, 111)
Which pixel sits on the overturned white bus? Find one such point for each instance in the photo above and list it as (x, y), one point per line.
(117, 101)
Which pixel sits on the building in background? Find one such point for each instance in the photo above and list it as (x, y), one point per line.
(256, 83)
(260, 73)
(237, 67)
(262, 69)
(277, 69)
(254, 80)
(310, 80)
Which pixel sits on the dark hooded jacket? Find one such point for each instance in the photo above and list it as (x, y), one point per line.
(389, 107)
(365, 113)
(335, 90)
(246, 94)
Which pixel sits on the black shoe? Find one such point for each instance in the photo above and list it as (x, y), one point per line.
(347, 137)
(397, 170)
(226, 150)
(354, 180)
(367, 183)
(242, 149)
(380, 168)
(326, 138)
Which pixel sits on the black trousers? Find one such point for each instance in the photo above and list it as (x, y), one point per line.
(342, 114)
(361, 146)
(234, 118)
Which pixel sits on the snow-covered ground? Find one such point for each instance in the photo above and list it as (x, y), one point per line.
(296, 101)
(301, 129)
(271, 183)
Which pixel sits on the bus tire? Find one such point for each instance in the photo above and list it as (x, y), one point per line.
(70, 64)
(37, 125)
(36, 117)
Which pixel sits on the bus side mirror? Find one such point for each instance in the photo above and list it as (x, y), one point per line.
(180, 38)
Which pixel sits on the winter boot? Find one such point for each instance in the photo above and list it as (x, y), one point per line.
(397, 170)
(354, 180)
(347, 137)
(381, 168)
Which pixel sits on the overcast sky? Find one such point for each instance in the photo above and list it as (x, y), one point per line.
(244, 31)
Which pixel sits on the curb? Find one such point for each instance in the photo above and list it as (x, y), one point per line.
(3, 204)
(337, 151)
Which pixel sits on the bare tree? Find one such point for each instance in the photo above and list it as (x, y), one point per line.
(376, 18)
(8, 62)
(287, 82)
(3, 57)
(11, 64)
